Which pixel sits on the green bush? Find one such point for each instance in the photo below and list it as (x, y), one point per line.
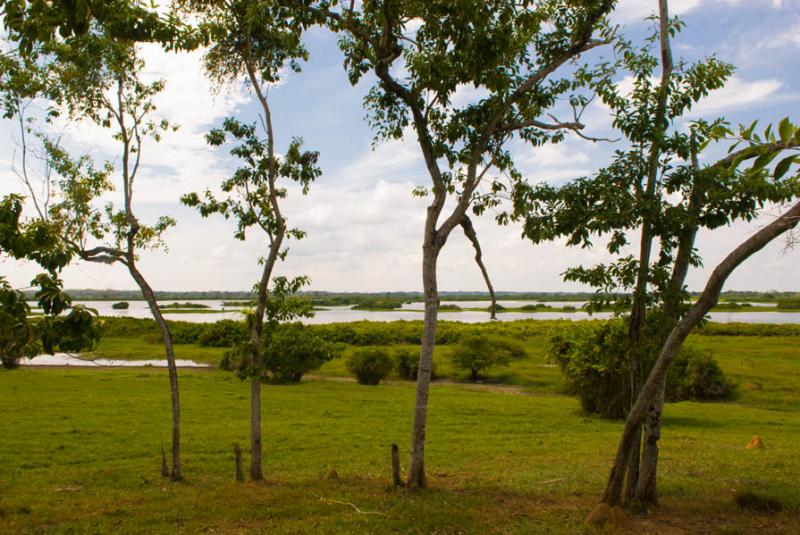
(695, 375)
(295, 350)
(594, 360)
(407, 364)
(476, 352)
(122, 305)
(222, 333)
(370, 365)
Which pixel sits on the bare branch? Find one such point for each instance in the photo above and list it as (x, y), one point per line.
(472, 236)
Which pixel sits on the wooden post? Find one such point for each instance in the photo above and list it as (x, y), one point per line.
(237, 454)
(164, 466)
(396, 467)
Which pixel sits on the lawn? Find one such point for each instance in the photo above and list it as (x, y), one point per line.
(79, 453)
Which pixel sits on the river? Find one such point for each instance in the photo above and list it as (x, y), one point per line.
(413, 311)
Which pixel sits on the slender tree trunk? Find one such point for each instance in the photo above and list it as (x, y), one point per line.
(416, 469)
(176, 473)
(256, 472)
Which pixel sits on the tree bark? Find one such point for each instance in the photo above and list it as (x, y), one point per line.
(416, 469)
(639, 306)
(256, 472)
(176, 473)
(397, 481)
(472, 236)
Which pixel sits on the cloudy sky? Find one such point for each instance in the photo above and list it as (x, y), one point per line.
(364, 226)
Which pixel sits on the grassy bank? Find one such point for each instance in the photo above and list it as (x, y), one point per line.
(84, 457)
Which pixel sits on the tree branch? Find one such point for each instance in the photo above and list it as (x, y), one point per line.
(472, 236)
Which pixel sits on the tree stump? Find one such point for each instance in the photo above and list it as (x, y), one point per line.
(164, 466)
(237, 455)
(396, 480)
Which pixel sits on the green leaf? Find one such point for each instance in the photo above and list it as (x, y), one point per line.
(783, 166)
(764, 159)
(786, 130)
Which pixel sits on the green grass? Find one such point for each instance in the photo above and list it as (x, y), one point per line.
(497, 461)
(142, 349)
(79, 450)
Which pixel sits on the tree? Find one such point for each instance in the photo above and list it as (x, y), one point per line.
(256, 40)
(477, 352)
(295, 350)
(96, 78)
(507, 52)
(658, 187)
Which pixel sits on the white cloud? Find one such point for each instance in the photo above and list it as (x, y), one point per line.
(737, 94)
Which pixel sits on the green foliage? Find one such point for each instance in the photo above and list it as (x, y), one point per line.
(696, 376)
(789, 303)
(122, 305)
(61, 328)
(593, 358)
(749, 329)
(223, 333)
(370, 366)
(183, 305)
(406, 362)
(477, 352)
(294, 350)
(658, 182)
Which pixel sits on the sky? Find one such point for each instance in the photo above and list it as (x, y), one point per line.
(364, 226)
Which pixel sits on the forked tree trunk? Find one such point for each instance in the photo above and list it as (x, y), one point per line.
(416, 469)
(176, 473)
(649, 399)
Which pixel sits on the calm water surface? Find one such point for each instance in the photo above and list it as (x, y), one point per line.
(413, 311)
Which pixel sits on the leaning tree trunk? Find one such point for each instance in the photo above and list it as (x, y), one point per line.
(176, 473)
(416, 469)
(648, 401)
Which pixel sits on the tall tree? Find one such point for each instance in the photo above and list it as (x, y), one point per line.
(97, 78)
(257, 40)
(423, 54)
(668, 205)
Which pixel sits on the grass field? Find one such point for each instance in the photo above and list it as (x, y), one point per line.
(80, 451)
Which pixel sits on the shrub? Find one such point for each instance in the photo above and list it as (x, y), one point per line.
(477, 352)
(295, 350)
(222, 333)
(594, 360)
(122, 305)
(370, 365)
(695, 375)
(407, 364)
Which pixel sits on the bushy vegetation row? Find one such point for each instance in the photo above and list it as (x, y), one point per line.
(223, 333)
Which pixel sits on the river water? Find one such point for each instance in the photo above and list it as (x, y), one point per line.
(413, 311)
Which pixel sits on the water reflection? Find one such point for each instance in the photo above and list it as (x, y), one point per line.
(65, 359)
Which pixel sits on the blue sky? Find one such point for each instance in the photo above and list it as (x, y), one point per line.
(364, 227)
